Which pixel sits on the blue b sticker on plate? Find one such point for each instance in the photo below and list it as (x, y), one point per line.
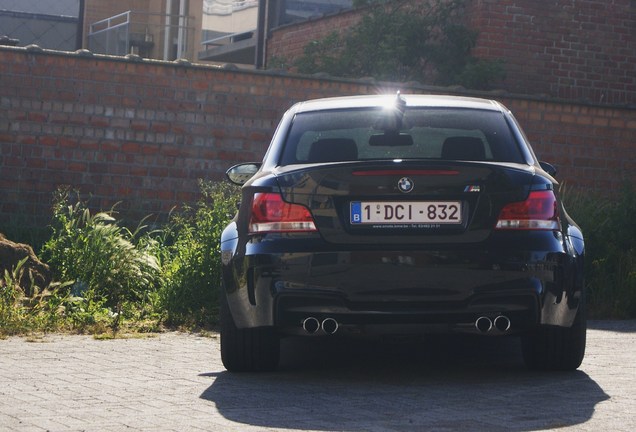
(356, 212)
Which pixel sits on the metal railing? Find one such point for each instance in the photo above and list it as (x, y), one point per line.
(229, 38)
(149, 35)
(111, 35)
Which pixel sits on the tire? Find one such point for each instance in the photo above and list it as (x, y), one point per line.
(552, 348)
(247, 350)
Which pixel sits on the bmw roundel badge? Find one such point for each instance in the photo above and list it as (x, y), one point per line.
(406, 185)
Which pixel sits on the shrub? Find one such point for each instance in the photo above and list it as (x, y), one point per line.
(111, 275)
(108, 263)
(192, 267)
(402, 41)
(610, 242)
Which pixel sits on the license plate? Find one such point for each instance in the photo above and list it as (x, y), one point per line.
(408, 212)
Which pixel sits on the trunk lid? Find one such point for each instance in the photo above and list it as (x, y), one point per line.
(410, 202)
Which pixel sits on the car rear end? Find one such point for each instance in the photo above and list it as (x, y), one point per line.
(401, 215)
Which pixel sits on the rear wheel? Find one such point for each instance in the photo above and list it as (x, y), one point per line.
(556, 348)
(247, 350)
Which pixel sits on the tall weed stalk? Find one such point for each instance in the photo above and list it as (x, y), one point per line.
(20, 313)
(11, 311)
(108, 264)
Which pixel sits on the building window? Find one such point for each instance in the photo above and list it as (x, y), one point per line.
(49, 24)
(284, 12)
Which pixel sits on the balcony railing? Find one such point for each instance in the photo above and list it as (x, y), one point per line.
(157, 36)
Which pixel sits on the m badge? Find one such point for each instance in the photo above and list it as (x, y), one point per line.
(472, 188)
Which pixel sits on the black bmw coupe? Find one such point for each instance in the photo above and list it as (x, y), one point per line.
(401, 215)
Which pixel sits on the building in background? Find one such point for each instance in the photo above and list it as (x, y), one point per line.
(221, 31)
(229, 31)
(158, 29)
(282, 12)
(52, 24)
(236, 31)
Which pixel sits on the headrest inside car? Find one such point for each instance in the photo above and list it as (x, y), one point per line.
(333, 150)
(463, 148)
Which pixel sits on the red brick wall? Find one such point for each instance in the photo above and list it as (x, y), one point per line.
(289, 42)
(594, 147)
(143, 133)
(573, 49)
(137, 132)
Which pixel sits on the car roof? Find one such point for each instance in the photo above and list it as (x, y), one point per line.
(412, 100)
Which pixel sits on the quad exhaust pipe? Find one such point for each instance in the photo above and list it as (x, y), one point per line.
(501, 323)
(329, 325)
(311, 325)
(483, 324)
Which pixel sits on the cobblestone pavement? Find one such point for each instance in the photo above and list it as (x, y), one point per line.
(175, 381)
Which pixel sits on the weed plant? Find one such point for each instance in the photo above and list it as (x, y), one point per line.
(110, 277)
(110, 267)
(610, 257)
(192, 257)
(11, 311)
(20, 313)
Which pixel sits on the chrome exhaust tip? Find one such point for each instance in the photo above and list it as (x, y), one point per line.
(311, 325)
(502, 323)
(483, 324)
(330, 325)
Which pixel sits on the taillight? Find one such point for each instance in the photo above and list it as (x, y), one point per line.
(537, 212)
(271, 214)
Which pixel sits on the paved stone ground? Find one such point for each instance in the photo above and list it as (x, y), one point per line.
(176, 382)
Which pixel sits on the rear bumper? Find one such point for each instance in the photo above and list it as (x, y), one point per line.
(403, 290)
(291, 310)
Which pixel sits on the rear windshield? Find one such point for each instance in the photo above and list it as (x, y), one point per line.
(414, 133)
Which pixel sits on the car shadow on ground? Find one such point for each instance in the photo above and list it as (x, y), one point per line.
(438, 383)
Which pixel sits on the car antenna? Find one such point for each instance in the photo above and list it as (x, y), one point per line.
(400, 108)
